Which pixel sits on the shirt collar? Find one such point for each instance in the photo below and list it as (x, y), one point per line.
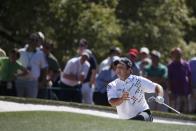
(127, 80)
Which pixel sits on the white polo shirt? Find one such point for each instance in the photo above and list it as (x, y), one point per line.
(136, 86)
(35, 60)
(75, 67)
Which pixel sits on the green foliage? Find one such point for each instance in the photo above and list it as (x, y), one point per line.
(73, 20)
(99, 25)
(191, 27)
(105, 3)
(19, 18)
(188, 50)
(157, 24)
(64, 24)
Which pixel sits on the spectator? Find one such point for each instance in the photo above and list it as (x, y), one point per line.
(103, 78)
(114, 51)
(34, 61)
(53, 73)
(144, 59)
(192, 64)
(74, 74)
(133, 53)
(53, 64)
(179, 76)
(144, 52)
(157, 73)
(10, 68)
(89, 82)
(40, 40)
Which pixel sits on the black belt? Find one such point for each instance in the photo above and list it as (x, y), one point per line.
(148, 111)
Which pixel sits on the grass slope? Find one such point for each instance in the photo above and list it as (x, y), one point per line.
(63, 121)
(92, 107)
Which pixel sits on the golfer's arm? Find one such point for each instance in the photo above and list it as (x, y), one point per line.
(116, 101)
(159, 90)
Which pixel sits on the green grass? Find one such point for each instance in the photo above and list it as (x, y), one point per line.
(191, 117)
(63, 121)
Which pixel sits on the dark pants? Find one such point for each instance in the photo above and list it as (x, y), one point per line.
(7, 90)
(46, 93)
(70, 93)
(143, 116)
(100, 98)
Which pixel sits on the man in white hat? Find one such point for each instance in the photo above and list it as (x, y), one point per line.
(144, 59)
(73, 76)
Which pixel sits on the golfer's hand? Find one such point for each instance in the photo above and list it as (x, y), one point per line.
(125, 96)
(159, 99)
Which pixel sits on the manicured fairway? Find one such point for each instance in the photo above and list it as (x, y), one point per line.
(63, 121)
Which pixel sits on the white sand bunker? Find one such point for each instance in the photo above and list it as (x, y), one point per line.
(12, 106)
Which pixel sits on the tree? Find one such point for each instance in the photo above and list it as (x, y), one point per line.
(77, 19)
(157, 24)
(19, 18)
(191, 26)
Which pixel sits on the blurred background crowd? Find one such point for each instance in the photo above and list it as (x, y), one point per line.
(34, 71)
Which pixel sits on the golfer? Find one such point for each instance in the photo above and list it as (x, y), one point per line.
(127, 93)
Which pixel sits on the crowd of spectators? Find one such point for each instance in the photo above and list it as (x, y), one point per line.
(33, 71)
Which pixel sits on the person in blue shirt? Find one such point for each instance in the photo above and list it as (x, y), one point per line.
(104, 77)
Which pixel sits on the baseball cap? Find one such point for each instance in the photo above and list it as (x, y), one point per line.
(35, 37)
(125, 61)
(115, 58)
(114, 50)
(85, 53)
(156, 53)
(144, 50)
(133, 51)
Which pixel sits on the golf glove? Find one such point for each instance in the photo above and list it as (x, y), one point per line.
(159, 99)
